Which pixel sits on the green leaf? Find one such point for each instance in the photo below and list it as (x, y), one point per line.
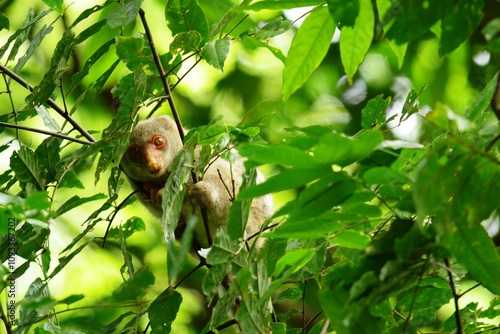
(49, 122)
(355, 41)
(212, 281)
(275, 27)
(132, 225)
(415, 17)
(459, 189)
(280, 154)
(393, 182)
(36, 294)
(215, 52)
(131, 91)
(278, 327)
(336, 148)
(240, 209)
(185, 42)
(57, 5)
(135, 287)
(4, 22)
(251, 42)
(22, 34)
(173, 198)
(163, 311)
(186, 15)
(112, 326)
(77, 78)
(70, 180)
(345, 317)
(399, 51)
(317, 227)
(329, 191)
(459, 23)
(309, 47)
(281, 4)
(344, 12)
(221, 252)
(351, 239)
(71, 299)
(476, 251)
(373, 114)
(37, 201)
(294, 261)
(288, 179)
(77, 201)
(124, 13)
(48, 154)
(45, 89)
(90, 31)
(476, 112)
(98, 85)
(89, 11)
(410, 106)
(64, 260)
(424, 304)
(130, 51)
(33, 46)
(28, 168)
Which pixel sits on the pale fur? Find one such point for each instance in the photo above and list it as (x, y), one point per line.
(209, 193)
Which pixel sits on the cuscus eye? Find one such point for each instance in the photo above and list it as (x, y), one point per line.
(159, 141)
(134, 152)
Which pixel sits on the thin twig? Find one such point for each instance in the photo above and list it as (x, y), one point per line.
(458, 320)
(192, 271)
(304, 307)
(235, 26)
(45, 132)
(114, 215)
(230, 323)
(173, 108)
(469, 289)
(50, 102)
(187, 72)
(310, 322)
(147, 327)
(162, 73)
(9, 92)
(414, 298)
(324, 329)
(231, 198)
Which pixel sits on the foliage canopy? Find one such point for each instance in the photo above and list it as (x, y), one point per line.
(380, 144)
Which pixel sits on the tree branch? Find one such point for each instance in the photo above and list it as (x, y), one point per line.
(51, 103)
(173, 108)
(45, 132)
(163, 76)
(458, 321)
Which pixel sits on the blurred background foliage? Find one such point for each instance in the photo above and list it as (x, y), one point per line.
(250, 88)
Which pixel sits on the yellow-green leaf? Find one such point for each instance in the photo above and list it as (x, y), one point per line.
(355, 41)
(309, 47)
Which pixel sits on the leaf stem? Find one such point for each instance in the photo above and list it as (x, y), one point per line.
(50, 102)
(173, 108)
(414, 297)
(45, 132)
(162, 73)
(114, 215)
(458, 321)
(7, 86)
